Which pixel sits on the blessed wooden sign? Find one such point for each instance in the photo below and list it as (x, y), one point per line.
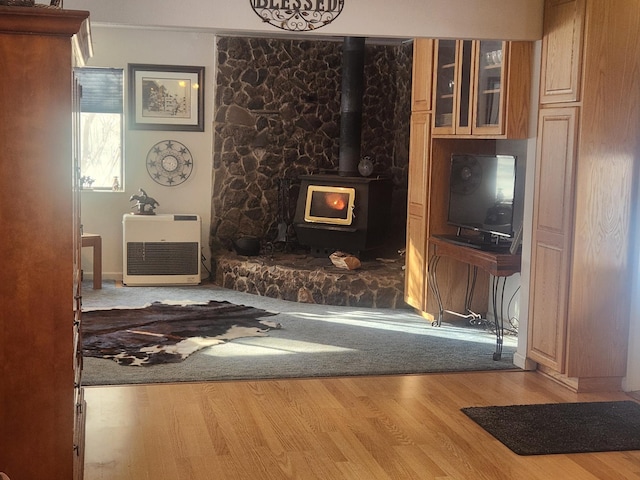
(298, 15)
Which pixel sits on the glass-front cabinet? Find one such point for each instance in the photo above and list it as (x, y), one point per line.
(489, 75)
(444, 85)
(470, 88)
(452, 82)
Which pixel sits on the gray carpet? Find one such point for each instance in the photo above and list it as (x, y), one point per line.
(315, 340)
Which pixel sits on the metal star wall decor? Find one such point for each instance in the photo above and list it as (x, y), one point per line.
(169, 163)
(297, 15)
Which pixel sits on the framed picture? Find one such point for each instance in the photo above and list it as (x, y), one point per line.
(164, 97)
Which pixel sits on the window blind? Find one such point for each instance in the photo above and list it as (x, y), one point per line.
(101, 89)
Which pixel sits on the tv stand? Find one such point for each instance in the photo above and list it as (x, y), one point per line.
(498, 264)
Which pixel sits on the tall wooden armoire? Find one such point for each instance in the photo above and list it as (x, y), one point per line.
(41, 405)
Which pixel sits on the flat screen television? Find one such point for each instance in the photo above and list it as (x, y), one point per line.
(485, 195)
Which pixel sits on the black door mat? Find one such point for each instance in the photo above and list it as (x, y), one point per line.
(555, 428)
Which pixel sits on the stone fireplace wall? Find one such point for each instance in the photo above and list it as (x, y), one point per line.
(277, 116)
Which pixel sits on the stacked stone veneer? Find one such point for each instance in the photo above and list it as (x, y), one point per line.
(301, 278)
(277, 115)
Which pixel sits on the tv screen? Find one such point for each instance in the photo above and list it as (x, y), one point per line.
(482, 189)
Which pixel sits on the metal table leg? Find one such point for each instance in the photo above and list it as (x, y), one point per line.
(472, 275)
(433, 284)
(498, 285)
(497, 288)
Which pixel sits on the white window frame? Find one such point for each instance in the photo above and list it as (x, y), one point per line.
(101, 129)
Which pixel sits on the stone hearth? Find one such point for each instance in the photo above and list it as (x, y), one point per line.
(379, 283)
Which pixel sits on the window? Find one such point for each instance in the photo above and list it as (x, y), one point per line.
(101, 128)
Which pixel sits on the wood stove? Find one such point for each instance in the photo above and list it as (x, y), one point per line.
(351, 214)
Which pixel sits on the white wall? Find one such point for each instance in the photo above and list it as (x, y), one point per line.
(102, 211)
(479, 19)
(632, 380)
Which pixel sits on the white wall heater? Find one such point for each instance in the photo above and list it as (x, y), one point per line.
(161, 249)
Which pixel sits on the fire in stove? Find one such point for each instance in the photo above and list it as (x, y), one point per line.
(331, 205)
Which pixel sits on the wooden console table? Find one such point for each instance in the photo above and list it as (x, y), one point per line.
(498, 264)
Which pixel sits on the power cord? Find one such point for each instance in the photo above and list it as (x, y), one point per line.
(203, 259)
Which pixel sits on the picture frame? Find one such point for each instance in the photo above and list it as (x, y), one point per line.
(166, 97)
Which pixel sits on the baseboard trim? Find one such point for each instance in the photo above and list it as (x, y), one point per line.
(523, 362)
(584, 384)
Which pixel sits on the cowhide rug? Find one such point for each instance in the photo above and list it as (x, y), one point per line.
(167, 333)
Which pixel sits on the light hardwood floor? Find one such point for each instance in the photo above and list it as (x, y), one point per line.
(366, 428)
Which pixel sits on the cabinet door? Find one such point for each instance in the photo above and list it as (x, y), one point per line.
(562, 51)
(416, 246)
(444, 88)
(452, 87)
(464, 90)
(482, 88)
(552, 236)
(490, 58)
(422, 74)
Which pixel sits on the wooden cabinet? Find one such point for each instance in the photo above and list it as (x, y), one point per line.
(481, 88)
(417, 216)
(422, 75)
(418, 187)
(553, 222)
(41, 413)
(585, 198)
(560, 73)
